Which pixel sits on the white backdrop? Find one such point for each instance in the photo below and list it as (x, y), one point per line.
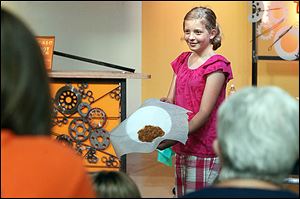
(108, 31)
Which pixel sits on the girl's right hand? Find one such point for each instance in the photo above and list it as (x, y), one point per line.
(165, 99)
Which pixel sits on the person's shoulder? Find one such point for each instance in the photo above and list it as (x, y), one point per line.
(42, 145)
(180, 60)
(184, 55)
(217, 192)
(59, 149)
(218, 57)
(205, 192)
(217, 62)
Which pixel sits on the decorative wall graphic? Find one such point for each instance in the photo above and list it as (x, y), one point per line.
(83, 109)
(257, 11)
(275, 16)
(278, 44)
(79, 129)
(96, 118)
(67, 99)
(279, 36)
(104, 137)
(265, 31)
(274, 23)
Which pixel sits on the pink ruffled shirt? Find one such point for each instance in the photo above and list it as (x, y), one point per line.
(190, 85)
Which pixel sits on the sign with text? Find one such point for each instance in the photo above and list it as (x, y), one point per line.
(47, 46)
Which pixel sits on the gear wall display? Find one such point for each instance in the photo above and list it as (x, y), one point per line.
(277, 28)
(86, 106)
(84, 113)
(275, 32)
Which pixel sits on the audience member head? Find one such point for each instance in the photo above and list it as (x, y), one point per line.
(258, 134)
(25, 96)
(115, 184)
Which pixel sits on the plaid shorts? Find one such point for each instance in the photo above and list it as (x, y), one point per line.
(193, 173)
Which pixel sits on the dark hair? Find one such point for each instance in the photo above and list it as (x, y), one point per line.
(210, 19)
(115, 184)
(25, 95)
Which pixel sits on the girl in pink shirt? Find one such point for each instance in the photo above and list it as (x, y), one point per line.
(199, 85)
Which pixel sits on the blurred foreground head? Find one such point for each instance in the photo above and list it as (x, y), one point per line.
(115, 184)
(25, 97)
(258, 134)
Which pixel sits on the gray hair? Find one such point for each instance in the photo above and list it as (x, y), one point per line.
(258, 133)
(210, 20)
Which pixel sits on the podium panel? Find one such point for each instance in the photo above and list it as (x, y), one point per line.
(86, 106)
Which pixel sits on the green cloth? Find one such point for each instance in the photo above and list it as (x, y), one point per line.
(165, 156)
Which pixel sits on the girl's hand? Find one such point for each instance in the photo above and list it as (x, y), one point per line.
(166, 144)
(164, 99)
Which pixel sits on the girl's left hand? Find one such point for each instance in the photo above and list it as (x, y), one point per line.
(166, 144)
(165, 99)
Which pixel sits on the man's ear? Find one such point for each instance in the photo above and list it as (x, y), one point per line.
(216, 147)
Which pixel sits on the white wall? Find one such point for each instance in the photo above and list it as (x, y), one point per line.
(108, 31)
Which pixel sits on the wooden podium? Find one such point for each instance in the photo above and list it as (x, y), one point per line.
(87, 105)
